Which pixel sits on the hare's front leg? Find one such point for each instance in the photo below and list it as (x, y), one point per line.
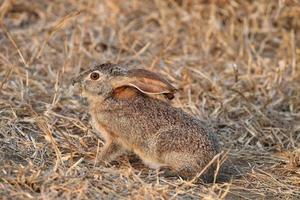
(110, 151)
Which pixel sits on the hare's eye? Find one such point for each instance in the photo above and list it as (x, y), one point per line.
(94, 76)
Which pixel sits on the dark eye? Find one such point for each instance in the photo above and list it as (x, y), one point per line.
(94, 76)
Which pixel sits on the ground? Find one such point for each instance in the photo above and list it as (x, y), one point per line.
(236, 65)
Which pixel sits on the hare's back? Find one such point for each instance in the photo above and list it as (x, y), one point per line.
(147, 118)
(165, 117)
(177, 130)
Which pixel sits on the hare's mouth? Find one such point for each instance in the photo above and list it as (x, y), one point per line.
(77, 80)
(77, 87)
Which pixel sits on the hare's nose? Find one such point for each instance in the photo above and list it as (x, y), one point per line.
(76, 80)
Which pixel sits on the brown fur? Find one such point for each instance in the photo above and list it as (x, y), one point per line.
(124, 93)
(152, 78)
(162, 136)
(147, 82)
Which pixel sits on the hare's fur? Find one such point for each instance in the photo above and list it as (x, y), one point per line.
(161, 135)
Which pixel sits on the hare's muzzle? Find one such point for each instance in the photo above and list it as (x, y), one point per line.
(76, 80)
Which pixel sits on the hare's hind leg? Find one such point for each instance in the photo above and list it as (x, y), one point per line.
(110, 151)
(188, 171)
(191, 169)
(182, 165)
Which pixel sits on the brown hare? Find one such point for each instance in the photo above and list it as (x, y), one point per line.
(127, 116)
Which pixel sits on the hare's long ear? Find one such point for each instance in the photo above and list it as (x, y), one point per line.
(147, 82)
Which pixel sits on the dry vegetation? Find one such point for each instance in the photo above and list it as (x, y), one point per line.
(236, 63)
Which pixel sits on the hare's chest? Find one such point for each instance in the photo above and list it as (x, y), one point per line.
(100, 127)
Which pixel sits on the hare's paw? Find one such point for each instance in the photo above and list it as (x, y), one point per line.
(109, 152)
(152, 163)
(168, 173)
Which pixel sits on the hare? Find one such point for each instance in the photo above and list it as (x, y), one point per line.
(128, 117)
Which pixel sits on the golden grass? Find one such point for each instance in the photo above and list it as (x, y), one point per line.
(236, 64)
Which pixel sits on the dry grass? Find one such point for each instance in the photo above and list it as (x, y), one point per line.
(237, 64)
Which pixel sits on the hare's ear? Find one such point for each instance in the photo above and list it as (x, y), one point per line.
(147, 82)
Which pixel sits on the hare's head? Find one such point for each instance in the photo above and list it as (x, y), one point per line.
(101, 81)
